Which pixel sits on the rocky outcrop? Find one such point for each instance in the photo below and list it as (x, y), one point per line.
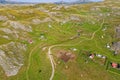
(11, 57)
(6, 30)
(18, 26)
(3, 18)
(118, 32)
(38, 21)
(116, 47)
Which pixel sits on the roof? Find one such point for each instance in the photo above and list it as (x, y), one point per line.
(114, 65)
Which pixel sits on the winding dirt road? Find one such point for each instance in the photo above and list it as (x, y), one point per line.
(50, 53)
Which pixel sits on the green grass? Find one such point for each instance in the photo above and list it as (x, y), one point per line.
(40, 67)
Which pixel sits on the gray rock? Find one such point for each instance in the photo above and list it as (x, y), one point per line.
(20, 26)
(74, 17)
(118, 32)
(6, 30)
(3, 18)
(116, 47)
(11, 57)
(38, 21)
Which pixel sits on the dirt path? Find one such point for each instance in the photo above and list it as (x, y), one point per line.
(52, 62)
(29, 59)
(50, 53)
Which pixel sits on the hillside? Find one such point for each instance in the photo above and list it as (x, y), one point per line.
(59, 42)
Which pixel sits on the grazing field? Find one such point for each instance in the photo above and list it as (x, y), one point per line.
(59, 42)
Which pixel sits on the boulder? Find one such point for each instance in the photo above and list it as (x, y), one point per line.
(3, 18)
(116, 47)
